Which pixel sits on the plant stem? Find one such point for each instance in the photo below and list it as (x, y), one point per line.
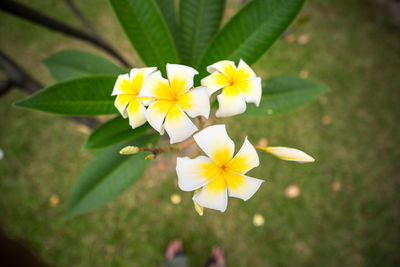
(37, 17)
(18, 77)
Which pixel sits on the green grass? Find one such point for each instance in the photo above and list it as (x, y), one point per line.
(350, 49)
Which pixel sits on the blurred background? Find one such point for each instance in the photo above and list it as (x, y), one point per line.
(342, 210)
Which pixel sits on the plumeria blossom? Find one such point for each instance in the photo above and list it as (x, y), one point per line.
(220, 174)
(127, 88)
(239, 85)
(173, 99)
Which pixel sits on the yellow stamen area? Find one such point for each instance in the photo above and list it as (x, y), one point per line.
(234, 181)
(216, 185)
(185, 101)
(240, 164)
(222, 156)
(229, 70)
(122, 100)
(163, 90)
(209, 170)
(233, 75)
(134, 106)
(223, 175)
(178, 86)
(174, 112)
(221, 79)
(133, 86)
(161, 106)
(244, 86)
(231, 91)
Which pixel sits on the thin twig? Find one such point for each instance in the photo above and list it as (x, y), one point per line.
(37, 17)
(82, 18)
(18, 77)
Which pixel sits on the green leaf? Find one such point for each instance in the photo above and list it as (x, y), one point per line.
(114, 131)
(285, 93)
(69, 64)
(199, 21)
(146, 29)
(83, 96)
(107, 176)
(167, 8)
(250, 32)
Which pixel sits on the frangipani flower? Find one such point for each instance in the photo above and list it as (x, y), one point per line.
(173, 98)
(127, 88)
(220, 174)
(239, 85)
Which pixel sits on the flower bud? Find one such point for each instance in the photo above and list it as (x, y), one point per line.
(129, 150)
(149, 157)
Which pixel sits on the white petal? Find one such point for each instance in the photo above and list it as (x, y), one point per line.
(156, 86)
(245, 160)
(121, 103)
(195, 102)
(251, 90)
(244, 71)
(241, 186)
(224, 66)
(214, 82)
(142, 71)
(180, 77)
(136, 113)
(287, 153)
(117, 87)
(216, 143)
(213, 195)
(195, 173)
(231, 102)
(156, 112)
(178, 126)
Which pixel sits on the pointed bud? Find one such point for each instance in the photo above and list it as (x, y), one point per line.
(287, 153)
(149, 157)
(129, 150)
(199, 209)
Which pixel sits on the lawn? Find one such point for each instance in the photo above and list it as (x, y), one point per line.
(347, 212)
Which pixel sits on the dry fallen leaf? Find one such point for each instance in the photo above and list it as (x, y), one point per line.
(292, 191)
(303, 39)
(290, 38)
(176, 199)
(229, 12)
(326, 120)
(258, 220)
(303, 74)
(54, 200)
(336, 186)
(263, 142)
(161, 165)
(323, 100)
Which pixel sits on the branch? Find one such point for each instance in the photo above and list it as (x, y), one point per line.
(82, 18)
(18, 77)
(32, 15)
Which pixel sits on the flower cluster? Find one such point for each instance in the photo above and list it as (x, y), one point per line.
(173, 101)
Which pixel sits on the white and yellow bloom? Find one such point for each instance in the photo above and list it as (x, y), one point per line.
(127, 88)
(173, 98)
(239, 85)
(220, 174)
